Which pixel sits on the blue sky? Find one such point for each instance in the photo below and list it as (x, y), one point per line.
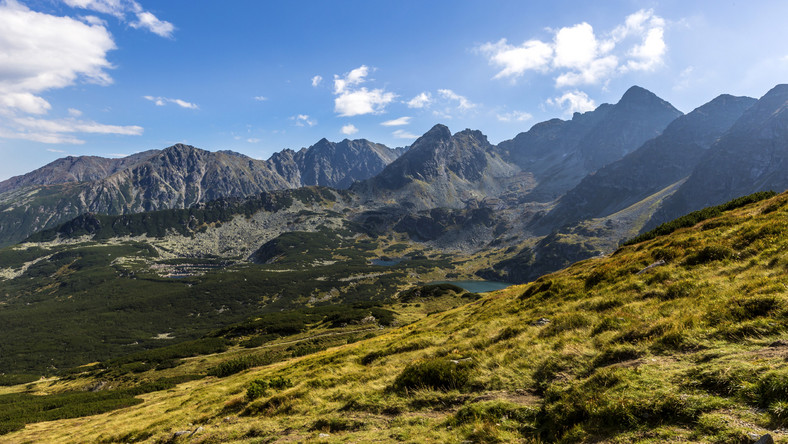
(114, 77)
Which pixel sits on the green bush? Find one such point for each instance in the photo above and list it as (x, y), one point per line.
(436, 373)
(708, 254)
(240, 364)
(506, 333)
(257, 389)
(772, 387)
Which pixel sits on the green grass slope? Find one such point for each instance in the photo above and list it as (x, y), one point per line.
(681, 338)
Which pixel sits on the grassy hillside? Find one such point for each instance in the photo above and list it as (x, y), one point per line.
(678, 338)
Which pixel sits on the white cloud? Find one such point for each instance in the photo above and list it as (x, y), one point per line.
(648, 55)
(420, 101)
(40, 52)
(40, 137)
(93, 20)
(76, 126)
(261, 98)
(61, 131)
(111, 7)
(25, 102)
(349, 129)
(52, 150)
(316, 80)
(580, 57)
(353, 100)
(118, 155)
(183, 103)
(515, 60)
(150, 22)
(397, 122)
(462, 102)
(303, 120)
(572, 102)
(402, 134)
(575, 46)
(120, 9)
(253, 140)
(161, 101)
(514, 116)
(593, 73)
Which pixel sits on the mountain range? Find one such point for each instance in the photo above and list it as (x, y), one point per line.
(588, 182)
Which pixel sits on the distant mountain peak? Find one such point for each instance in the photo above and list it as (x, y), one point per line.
(438, 131)
(637, 95)
(180, 147)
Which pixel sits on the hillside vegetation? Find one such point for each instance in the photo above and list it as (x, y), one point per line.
(678, 338)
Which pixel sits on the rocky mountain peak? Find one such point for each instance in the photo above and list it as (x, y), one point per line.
(636, 95)
(439, 131)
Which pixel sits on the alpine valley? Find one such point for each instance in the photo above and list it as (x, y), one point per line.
(184, 295)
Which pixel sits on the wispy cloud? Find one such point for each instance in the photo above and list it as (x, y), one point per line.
(397, 122)
(260, 98)
(349, 129)
(462, 102)
(579, 56)
(514, 116)
(420, 101)
(304, 120)
(402, 134)
(161, 101)
(61, 131)
(121, 9)
(316, 80)
(353, 99)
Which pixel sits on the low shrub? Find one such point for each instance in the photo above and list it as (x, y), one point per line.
(506, 333)
(709, 253)
(495, 412)
(436, 373)
(333, 425)
(240, 364)
(617, 353)
(771, 387)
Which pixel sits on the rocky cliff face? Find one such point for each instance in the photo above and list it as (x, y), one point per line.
(654, 166)
(752, 156)
(75, 169)
(176, 177)
(441, 170)
(561, 153)
(338, 165)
